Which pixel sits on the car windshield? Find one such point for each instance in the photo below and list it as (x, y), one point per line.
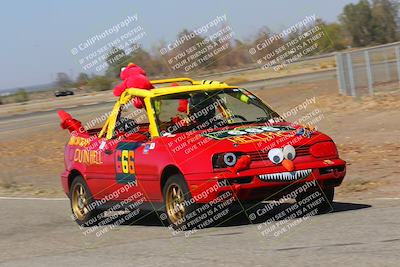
(201, 110)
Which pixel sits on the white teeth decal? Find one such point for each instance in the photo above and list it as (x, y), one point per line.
(285, 176)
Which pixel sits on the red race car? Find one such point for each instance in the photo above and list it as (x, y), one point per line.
(189, 145)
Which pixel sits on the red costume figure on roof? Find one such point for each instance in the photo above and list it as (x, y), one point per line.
(132, 76)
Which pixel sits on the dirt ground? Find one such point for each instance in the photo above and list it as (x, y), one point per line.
(365, 129)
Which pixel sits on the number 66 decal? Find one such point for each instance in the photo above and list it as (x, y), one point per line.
(125, 162)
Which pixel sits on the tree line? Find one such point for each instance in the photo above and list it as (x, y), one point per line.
(365, 23)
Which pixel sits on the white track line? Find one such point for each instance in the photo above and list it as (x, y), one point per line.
(33, 198)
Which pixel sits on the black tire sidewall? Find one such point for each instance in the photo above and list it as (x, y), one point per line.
(328, 193)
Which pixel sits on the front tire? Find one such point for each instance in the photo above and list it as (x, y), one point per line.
(327, 205)
(83, 207)
(176, 201)
(328, 196)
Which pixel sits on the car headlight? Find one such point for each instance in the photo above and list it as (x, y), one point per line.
(225, 160)
(324, 150)
(230, 159)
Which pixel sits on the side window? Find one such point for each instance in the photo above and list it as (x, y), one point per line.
(130, 112)
(131, 120)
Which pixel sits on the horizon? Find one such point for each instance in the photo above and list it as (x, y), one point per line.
(45, 38)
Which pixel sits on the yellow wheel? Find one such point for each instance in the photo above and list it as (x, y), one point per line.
(82, 203)
(175, 203)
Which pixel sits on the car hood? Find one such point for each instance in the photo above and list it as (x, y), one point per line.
(194, 150)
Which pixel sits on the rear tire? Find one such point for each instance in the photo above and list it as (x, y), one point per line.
(83, 208)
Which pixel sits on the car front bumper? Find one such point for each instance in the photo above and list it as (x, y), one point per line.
(256, 184)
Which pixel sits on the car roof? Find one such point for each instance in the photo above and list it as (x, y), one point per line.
(203, 85)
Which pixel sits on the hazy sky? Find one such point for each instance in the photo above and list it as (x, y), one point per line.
(37, 36)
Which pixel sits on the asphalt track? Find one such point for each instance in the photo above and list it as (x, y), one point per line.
(39, 232)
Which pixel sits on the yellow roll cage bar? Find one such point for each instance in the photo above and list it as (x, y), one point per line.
(147, 95)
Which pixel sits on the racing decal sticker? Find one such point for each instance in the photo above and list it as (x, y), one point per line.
(102, 145)
(244, 135)
(147, 147)
(78, 141)
(305, 131)
(89, 157)
(125, 162)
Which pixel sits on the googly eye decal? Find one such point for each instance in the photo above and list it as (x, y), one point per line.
(289, 152)
(275, 155)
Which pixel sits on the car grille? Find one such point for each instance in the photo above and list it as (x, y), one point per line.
(263, 155)
(285, 176)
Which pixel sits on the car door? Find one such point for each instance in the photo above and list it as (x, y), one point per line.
(114, 178)
(101, 171)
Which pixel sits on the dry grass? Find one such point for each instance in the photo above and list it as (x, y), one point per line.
(236, 80)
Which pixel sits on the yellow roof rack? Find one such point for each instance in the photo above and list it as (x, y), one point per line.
(184, 79)
(203, 85)
(128, 94)
(173, 80)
